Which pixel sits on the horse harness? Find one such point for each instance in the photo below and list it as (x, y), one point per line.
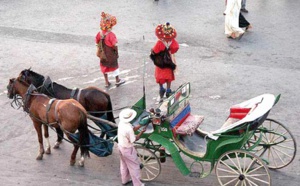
(48, 107)
(49, 84)
(30, 89)
(29, 92)
(46, 85)
(73, 93)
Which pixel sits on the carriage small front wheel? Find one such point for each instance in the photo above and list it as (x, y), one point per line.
(150, 164)
(239, 167)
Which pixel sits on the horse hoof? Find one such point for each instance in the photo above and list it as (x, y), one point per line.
(56, 146)
(48, 151)
(72, 163)
(39, 157)
(81, 164)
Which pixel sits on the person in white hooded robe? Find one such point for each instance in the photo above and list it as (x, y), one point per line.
(232, 13)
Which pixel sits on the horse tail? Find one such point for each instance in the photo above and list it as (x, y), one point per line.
(110, 115)
(83, 135)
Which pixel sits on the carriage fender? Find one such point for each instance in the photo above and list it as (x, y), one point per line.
(173, 151)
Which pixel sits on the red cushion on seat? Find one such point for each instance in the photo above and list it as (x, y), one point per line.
(190, 125)
(238, 112)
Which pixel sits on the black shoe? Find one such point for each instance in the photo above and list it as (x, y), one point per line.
(130, 181)
(168, 94)
(162, 92)
(240, 37)
(244, 10)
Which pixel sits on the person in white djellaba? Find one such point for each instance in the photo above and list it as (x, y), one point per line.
(232, 12)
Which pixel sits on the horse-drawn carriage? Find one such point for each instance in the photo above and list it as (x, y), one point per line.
(240, 151)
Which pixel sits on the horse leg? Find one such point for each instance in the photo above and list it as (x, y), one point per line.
(73, 155)
(81, 161)
(60, 135)
(46, 134)
(38, 128)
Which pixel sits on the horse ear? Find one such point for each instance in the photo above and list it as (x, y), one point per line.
(12, 80)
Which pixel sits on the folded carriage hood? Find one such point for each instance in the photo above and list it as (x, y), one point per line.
(259, 105)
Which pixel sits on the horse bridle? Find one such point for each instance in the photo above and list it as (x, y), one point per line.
(10, 90)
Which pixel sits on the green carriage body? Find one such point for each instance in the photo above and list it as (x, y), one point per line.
(235, 140)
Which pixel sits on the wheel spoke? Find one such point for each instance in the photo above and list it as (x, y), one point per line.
(149, 171)
(237, 159)
(254, 169)
(228, 176)
(151, 164)
(272, 154)
(256, 175)
(228, 171)
(260, 180)
(250, 165)
(278, 150)
(232, 162)
(146, 160)
(271, 139)
(237, 183)
(229, 167)
(251, 182)
(286, 147)
(247, 180)
(230, 181)
(279, 136)
(152, 167)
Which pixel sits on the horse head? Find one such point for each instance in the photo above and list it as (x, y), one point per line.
(31, 77)
(15, 87)
(11, 91)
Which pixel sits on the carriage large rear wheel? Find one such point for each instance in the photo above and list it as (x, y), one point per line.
(239, 167)
(150, 164)
(278, 146)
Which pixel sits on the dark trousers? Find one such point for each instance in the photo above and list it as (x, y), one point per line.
(242, 21)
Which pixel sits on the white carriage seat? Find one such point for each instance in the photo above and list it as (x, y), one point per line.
(248, 111)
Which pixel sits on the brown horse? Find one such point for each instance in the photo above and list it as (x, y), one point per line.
(93, 99)
(68, 115)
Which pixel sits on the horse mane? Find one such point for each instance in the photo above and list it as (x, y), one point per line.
(36, 78)
(60, 86)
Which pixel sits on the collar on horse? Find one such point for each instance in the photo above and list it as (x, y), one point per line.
(74, 91)
(47, 86)
(30, 89)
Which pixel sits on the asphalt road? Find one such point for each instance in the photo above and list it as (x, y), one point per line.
(56, 38)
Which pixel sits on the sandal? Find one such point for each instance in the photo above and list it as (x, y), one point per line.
(240, 36)
(120, 82)
(107, 85)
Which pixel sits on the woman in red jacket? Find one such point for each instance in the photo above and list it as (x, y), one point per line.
(108, 60)
(166, 35)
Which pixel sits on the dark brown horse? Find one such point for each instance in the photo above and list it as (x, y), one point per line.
(93, 99)
(67, 115)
